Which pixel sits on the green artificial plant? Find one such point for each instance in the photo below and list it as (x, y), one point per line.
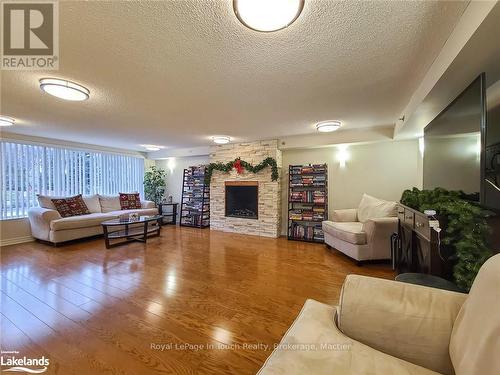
(154, 184)
(466, 230)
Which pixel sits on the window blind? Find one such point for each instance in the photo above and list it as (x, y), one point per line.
(27, 170)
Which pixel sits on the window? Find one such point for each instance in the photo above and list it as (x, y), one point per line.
(27, 170)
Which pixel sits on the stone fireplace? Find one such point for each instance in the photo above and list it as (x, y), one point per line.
(248, 203)
(242, 199)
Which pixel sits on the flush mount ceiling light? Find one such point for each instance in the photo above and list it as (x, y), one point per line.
(152, 147)
(267, 15)
(221, 140)
(63, 89)
(6, 121)
(328, 126)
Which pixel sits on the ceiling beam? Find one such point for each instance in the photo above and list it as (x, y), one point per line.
(316, 140)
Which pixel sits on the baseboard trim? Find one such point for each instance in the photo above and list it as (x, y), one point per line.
(16, 240)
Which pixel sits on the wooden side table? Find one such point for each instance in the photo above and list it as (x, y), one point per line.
(169, 216)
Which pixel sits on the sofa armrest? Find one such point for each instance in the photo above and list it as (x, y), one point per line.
(378, 236)
(346, 215)
(411, 322)
(40, 219)
(148, 204)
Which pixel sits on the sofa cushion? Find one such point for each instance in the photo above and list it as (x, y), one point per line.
(351, 232)
(83, 221)
(58, 236)
(110, 203)
(413, 322)
(72, 206)
(92, 202)
(130, 201)
(139, 211)
(475, 339)
(371, 208)
(314, 345)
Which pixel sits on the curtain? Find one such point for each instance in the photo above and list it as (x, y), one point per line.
(27, 170)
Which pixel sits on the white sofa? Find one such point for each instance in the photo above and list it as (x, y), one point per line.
(363, 233)
(384, 327)
(48, 225)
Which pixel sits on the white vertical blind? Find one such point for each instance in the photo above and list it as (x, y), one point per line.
(27, 170)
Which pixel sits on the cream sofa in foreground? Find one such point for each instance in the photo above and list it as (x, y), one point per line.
(363, 233)
(387, 327)
(48, 225)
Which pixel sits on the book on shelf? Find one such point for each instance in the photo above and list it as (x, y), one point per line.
(306, 215)
(306, 232)
(308, 196)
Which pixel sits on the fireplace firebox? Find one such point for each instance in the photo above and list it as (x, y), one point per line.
(242, 199)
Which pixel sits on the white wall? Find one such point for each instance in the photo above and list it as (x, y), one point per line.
(383, 170)
(15, 231)
(175, 170)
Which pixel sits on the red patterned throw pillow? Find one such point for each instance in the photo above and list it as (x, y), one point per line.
(72, 206)
(130, 201)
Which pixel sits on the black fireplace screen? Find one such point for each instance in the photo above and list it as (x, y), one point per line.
(242, 201)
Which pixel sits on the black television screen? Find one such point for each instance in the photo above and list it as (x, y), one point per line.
(491, 188)
(452, 144)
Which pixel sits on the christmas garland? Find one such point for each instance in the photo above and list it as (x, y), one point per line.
(240, 165)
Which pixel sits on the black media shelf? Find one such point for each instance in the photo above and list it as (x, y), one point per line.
(195, 203)
(307, 202)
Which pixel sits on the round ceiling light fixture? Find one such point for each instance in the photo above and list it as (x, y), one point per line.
(267, 15)
(63, 89)
(221, 140)
(152, 147)
(6, 121)
(328, 126)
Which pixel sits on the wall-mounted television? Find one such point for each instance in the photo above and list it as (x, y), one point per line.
(461, 149)
(491, 186)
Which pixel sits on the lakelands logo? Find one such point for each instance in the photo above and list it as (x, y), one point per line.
(30, 35)
(24, 364)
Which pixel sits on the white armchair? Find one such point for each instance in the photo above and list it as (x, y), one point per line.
(363, 233)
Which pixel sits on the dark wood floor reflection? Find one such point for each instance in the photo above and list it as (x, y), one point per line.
(201, 298)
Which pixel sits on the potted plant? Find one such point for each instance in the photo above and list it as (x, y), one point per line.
(154, 184)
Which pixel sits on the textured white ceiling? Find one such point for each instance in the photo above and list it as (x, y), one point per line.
(175, 73)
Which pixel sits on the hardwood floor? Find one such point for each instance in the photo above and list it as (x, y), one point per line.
(189, 302)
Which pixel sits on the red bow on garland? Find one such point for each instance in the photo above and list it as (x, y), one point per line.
(237, 165)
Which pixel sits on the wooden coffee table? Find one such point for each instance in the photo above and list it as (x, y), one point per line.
(131, 230)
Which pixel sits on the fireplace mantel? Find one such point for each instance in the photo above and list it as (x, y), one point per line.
(241, 183)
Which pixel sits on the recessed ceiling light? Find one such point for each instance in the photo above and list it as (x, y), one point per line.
(63, 89)
(6, 121)
(267, 15)
(328, 126)
(221, 140)
(152, 147)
